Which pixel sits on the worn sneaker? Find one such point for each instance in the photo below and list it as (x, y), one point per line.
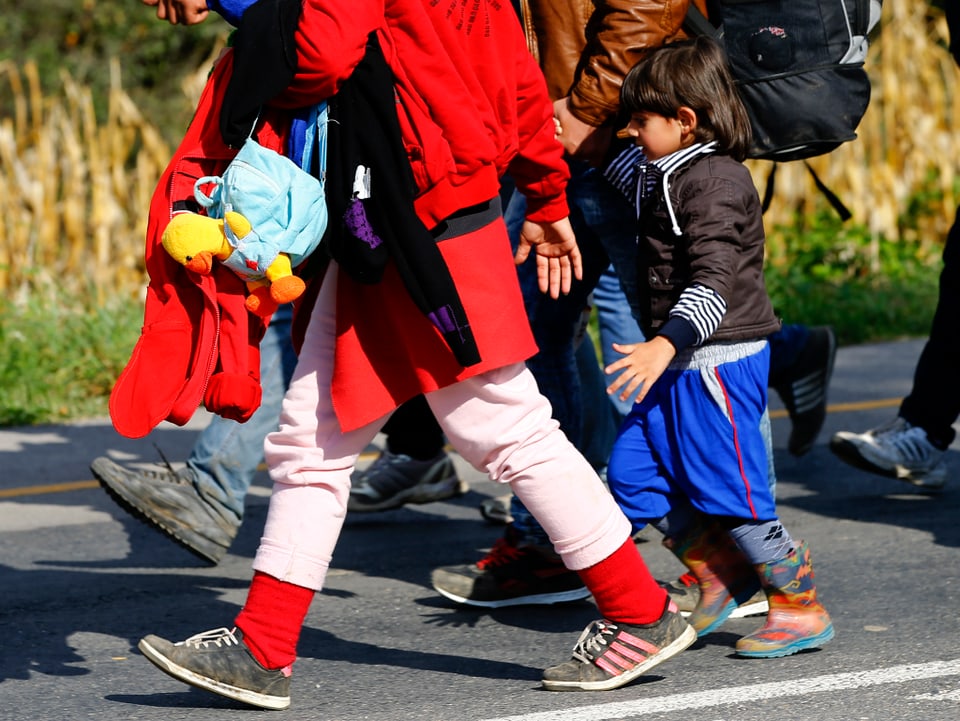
(685, 592)
(169, 501)
(756, 605)
(803, 388)
(395, 479)
(219, 661)
(896, 450)
(497, 510)
(609, 655)
(510, 575)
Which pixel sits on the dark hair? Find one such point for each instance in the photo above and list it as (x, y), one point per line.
(693, 73)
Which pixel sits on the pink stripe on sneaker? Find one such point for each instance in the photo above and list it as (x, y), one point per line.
(609, 668)
(638, 642)
(627, 652)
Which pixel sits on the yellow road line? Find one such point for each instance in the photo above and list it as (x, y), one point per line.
(848, 407)
(86, 485)
(51, 488)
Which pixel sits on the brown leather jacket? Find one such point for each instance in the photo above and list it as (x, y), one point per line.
(586, 47)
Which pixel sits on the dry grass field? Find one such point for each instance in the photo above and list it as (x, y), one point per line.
(74, 192)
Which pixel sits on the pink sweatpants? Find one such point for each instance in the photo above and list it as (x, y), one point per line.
(498, 421)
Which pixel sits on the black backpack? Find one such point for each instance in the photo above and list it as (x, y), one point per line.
(799, 67)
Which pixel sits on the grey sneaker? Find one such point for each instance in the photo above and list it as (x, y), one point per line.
(896, 450)
(170, 503)
(497, 510)
(803, 389)
(685, 592)
(394, 480)
(610, 655)
(219, 661)
(511, 574)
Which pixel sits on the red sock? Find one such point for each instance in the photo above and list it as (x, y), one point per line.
(271, 619)
(623, 588)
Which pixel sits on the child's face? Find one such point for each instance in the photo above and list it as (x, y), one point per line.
(656, 134)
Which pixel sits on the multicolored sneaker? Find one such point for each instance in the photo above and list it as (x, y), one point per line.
(510, 575)
(395, 479)
(218, 661)
(609, 655)
(897, 450)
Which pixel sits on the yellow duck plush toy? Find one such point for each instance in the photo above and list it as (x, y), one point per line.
(195, 241)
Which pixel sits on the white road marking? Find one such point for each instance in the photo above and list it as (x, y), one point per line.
(743, 694)
(17, 517)
(942, 696)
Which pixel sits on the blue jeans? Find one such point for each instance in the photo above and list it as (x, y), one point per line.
(616, 324)
(604, 223)
(603, 413)
(225, 457)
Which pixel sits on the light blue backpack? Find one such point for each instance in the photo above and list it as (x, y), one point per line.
(284, 203)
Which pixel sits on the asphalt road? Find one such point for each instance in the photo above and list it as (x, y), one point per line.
(81, 583)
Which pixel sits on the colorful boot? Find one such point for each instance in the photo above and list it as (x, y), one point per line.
(797, 620)
(724, 574)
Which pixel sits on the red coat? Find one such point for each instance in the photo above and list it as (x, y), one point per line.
(198, 341)
(472, 104)
(472, 101)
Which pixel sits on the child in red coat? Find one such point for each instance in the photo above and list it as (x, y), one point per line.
(369, 347)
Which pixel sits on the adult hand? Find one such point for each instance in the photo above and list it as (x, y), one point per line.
(180, 12)
(581, 140)
(641, 366)
(558, 257)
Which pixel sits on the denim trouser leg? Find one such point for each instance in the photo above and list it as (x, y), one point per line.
(225, 457)
(604, 224)
(617, 325)
(600, 420)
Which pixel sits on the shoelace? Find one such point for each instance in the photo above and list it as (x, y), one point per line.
(594, 640)
(502, 552)
(217, 637)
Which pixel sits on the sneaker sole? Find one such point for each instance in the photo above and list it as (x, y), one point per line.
(180, 673)
(800, 645)
(685, 640)
(539, 599)
(209, 552)
(429, 493)
(850, 454)
(750, 609)
(745, 611)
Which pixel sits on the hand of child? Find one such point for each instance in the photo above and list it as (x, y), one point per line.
(581, 140)
(643, 365)
(180, 12)
(558, 257)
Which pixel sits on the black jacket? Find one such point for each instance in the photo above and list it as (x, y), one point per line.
(721, 247)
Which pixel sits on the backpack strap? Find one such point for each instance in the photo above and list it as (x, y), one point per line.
(831, 197)
(696, 23)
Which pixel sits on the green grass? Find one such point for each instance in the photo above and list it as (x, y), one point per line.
(823, 271)
(59, 358)
(61, 354)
